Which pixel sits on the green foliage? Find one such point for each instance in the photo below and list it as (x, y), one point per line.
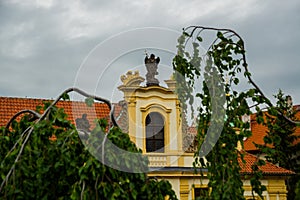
(280, 142)
(89, 101)
(62, 168)
(65, 96)
(221, 103)
(297, 191)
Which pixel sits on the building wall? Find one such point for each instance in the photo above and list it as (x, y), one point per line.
(184, 184)
(144, 100)
(157, 99)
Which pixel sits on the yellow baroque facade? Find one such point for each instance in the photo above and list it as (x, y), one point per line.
(156, 126)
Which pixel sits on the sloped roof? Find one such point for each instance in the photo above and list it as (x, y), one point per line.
(267, 169)
(9, 106)
(259, 131)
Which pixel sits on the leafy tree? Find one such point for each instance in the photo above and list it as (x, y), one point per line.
(297, 191)
(36, 167)
(280, 142)
(220, 124)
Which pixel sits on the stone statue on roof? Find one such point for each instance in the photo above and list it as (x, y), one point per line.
(151, 66)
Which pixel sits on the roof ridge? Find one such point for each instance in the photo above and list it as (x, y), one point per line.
(30, 98)
(9, 106)
(43, 99)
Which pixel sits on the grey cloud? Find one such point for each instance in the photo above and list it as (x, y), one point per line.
(54, 40)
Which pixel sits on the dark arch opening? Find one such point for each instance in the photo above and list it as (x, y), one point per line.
(155, 132)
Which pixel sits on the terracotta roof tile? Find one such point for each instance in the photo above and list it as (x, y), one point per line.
(259, 131)
(267, 169)
(297, 131)
(10, 106)
(118, 109)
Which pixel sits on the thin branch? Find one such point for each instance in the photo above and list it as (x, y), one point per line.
(67, 138)
(82, 190)
(194, 28)
(36, 114)
(199, 32)
(95, 186)
(17, 159)
(15, 145)
(245, 64)
(254, 105)
(212, 44)
(230, 36)
(107, 102)
(103, 149)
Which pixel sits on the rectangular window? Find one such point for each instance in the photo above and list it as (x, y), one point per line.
(199, 193)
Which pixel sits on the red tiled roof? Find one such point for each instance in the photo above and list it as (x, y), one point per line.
(117, 109)
(267, 169)
(9, 106)
(297, 131)
(259, 131)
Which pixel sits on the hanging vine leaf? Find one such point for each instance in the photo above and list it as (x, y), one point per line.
(225, 60)
(89, 101)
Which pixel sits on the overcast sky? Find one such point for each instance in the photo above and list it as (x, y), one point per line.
(45, 45)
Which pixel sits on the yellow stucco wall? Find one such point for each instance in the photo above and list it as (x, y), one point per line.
(184, 184)
(144, 100)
